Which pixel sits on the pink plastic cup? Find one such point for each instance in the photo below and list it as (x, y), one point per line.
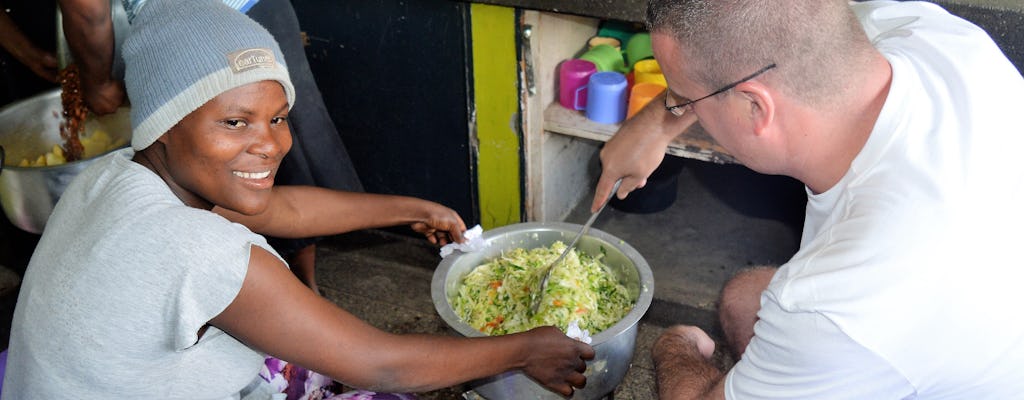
(573, 76)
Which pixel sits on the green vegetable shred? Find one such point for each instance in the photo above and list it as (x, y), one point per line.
(495, 297)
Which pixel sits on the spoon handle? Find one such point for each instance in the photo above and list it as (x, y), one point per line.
(593, 217)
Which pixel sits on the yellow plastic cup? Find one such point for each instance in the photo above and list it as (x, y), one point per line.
(596, 40)
(648, 71)
(640, 95)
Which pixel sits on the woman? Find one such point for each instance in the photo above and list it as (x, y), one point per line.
(139, 289)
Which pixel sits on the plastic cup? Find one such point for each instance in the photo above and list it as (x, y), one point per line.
(617, 29)
(639, 48)
(573, 76)
(606, 97)
(596, 40)
(606, 58)
(648, 71)
(640, 95)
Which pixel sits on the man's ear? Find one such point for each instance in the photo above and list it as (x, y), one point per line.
(762, 105)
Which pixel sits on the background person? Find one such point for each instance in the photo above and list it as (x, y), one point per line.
(899, 119)
(143, 291)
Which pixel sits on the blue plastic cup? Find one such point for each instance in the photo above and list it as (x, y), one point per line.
(606, 97)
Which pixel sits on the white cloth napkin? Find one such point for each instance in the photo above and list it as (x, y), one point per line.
(574, 331)
(473, 242)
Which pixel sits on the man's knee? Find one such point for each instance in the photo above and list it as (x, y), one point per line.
(744, 289)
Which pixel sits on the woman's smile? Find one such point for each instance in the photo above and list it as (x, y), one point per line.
(251, 175)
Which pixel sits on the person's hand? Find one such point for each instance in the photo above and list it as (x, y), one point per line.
(103, 97)
(682, 339)
(441, 225)
(43, 64)
(12, 39)
(636, 150)
(557, 361)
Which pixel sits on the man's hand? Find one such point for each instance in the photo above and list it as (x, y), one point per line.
(683, 338)
(43, 64)
(637, 149)
(13, 40)
(103, 97)
(682, 364)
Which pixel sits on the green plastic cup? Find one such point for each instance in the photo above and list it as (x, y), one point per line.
(639, 48)
(606, 58)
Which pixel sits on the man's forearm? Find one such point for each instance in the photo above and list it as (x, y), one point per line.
(89, 31)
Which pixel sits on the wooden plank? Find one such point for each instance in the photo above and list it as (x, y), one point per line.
(623, 10)
(496, 103)
(693, 143)
(559, 169)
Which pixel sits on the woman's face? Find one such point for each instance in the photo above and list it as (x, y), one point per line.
(227, 152)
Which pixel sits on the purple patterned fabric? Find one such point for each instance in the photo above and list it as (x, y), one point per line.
(366, 395)
(302, 384)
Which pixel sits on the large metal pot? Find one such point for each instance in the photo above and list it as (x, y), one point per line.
(29, 128)
(614, 346)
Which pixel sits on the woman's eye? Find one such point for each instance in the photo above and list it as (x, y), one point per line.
(279, 120)
(234, 123)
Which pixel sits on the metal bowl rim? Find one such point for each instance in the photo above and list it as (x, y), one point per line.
(644, 274)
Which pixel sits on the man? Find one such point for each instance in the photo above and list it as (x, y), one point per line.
(900, 119)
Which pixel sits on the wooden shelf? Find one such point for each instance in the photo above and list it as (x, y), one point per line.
(694, 143)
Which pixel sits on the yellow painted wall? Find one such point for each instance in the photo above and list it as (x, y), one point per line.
(495, 83)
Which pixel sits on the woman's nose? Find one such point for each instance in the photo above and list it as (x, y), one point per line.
(272, 142)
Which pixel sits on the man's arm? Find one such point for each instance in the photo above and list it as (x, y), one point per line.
(638, 148)
(89, 31)
(42, 63)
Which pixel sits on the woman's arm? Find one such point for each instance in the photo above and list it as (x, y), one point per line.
(274, 313)
(307, 211)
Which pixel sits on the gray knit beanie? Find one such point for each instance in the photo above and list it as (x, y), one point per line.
(180, 54)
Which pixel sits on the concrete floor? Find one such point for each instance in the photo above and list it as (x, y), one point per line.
(724, 218)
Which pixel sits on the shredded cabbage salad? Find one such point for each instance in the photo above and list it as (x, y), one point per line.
(495, 297)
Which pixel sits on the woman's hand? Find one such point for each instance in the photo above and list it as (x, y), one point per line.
(556, 361)
(441, 225)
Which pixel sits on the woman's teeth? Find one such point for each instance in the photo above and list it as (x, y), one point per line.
(252, 175)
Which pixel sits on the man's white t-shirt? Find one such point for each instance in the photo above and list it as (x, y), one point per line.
(907, 283)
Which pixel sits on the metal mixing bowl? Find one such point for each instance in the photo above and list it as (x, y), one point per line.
(614, 346)
(29, 128)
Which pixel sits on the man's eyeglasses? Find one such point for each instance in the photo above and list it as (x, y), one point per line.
(680, 109)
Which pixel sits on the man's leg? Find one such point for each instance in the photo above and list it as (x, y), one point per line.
(738, 306)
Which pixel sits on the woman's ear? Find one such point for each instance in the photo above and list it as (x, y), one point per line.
(762, 105)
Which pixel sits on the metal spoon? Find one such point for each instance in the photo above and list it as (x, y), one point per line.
(547, 274)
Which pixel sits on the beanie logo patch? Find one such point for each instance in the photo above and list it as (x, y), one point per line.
(246, 59)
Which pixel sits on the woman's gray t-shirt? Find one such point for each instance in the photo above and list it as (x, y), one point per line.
(122, 280)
